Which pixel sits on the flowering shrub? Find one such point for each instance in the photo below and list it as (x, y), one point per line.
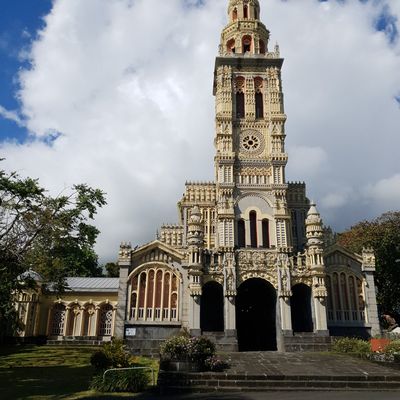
(200, 350)
(215, 364)
(176, 348)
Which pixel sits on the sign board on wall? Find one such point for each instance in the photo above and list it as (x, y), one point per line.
(129, 332)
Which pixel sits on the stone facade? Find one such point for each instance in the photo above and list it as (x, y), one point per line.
(246, 263)
(250, 231)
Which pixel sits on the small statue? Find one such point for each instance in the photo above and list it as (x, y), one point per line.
(390, 321)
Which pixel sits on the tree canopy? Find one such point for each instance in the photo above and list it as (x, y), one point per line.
(50, 235)
(383, 235)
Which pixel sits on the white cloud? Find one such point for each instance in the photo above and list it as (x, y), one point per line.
(11, 115)
(385, 191)
(128, 84)
(307, 161)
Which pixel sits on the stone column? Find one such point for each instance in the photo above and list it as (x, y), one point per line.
(66, 321)
(320, 314)
(229, 313)
(286, 314)
(124, 262)
(194, 314)
(372, 317)
(247, 232)
(368, 269)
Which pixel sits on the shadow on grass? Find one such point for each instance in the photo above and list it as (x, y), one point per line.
(31, 382)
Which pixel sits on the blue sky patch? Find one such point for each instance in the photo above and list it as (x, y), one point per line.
(20, 20)
(387, 23)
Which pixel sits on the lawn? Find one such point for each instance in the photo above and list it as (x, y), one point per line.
(47, 372)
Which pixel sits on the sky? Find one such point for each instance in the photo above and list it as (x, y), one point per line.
(118, 94)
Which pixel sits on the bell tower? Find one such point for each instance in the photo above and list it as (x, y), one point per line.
(250, 157)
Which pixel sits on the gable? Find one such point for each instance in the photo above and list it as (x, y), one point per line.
(156, 251)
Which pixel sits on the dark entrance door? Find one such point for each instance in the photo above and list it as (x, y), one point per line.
(300, 303)
(256, 315)
(212, 307)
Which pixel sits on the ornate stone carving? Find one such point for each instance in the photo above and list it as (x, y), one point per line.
(125, 252)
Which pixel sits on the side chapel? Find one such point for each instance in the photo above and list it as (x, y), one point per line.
(246, 263)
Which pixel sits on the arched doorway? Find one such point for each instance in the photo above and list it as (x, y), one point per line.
(300, 303)
(212, 308)
(256, 315)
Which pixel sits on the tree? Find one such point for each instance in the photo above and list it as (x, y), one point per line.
(112, 270)
(383, 235)
(47, 234)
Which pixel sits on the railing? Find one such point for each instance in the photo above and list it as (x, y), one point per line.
(346, 315)
(153, 374)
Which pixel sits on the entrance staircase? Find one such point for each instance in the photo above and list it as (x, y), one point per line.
(273, 371)
(306, 341)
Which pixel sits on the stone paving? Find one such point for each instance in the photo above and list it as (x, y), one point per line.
(272, 371)
(305, 364)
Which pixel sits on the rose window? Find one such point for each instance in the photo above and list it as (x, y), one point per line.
(251, 142)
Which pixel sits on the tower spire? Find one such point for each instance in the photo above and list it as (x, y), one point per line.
(244, 34)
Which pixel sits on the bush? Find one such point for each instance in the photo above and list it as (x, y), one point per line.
(201, 348)
(393, 348)
(111, 355)
(175, 348)
(352, 346)
(215, 364)
(121, 381)
(181, 348)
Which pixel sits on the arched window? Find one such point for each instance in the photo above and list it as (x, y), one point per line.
(240, 105)
(234, 14)
(106, 318)
(255, 13)
(262, 47)
(245, 12)
(212, 308)
(345, 297)
(241, 234)
(155, 296)
(336, 294)
(329, 299)
(246, 44)
(258, 86)
(265, 233)
(259, 105)
(253, 229)
(230, 46)
(58, 320)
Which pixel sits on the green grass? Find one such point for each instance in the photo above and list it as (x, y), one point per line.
(44, 372)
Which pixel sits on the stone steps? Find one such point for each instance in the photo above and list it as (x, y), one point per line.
(222, 382)
(307, 342)
(76, 342)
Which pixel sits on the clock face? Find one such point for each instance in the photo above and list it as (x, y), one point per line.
(251, 141)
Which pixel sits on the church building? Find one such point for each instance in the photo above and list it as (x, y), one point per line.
(246, 263)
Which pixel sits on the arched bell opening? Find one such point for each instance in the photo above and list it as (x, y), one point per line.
(256, 316)
(301, 308)
(246, 44)
(230, 46)
(212, 308)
